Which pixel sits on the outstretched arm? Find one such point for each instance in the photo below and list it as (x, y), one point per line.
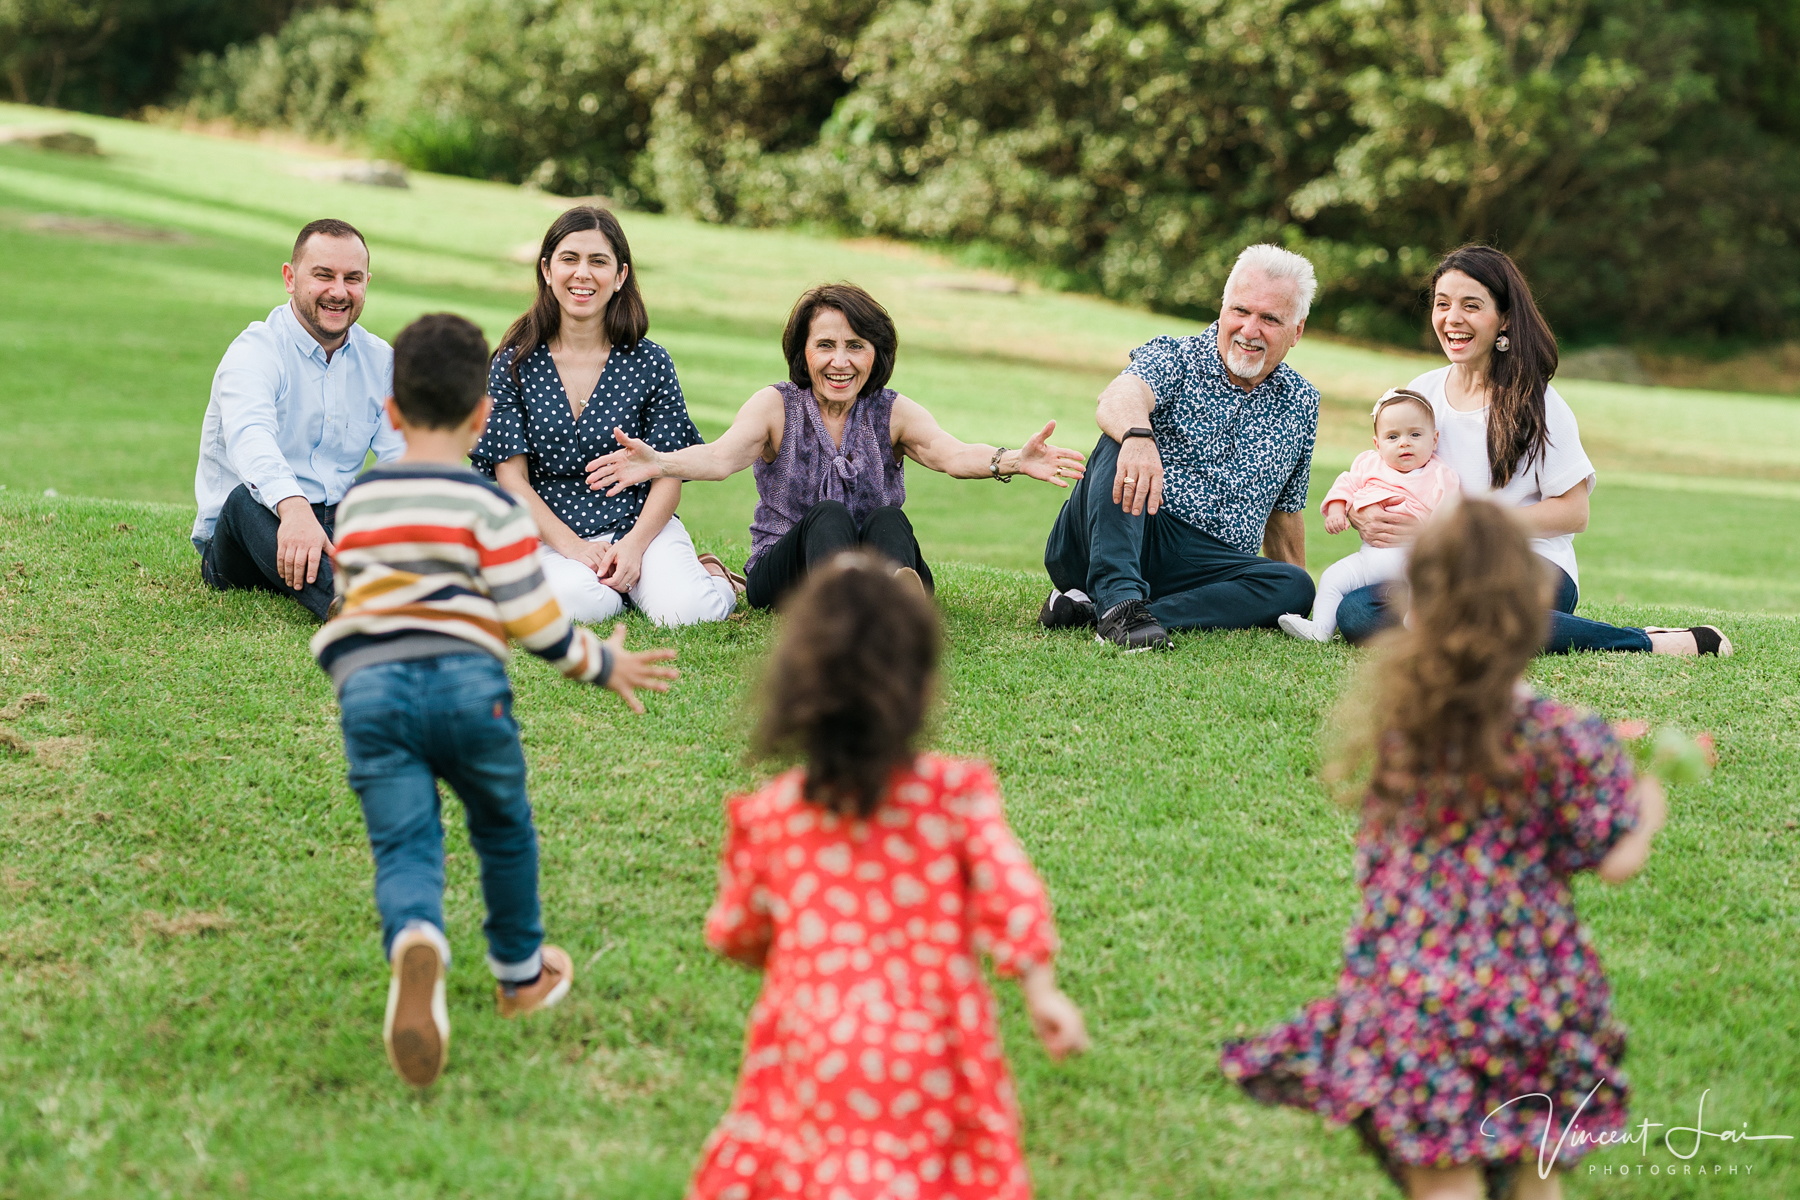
(753, 434)
(1629, 853)
(923, 440)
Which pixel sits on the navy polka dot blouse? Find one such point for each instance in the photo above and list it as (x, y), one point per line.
(637, 392)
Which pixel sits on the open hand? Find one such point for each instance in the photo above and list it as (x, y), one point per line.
(300, 542)
(1052, 464)
(632, 671)
(636, 463)
(1381, 525)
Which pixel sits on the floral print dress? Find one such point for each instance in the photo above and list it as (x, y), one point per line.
(1468, 980)
(872, 1063)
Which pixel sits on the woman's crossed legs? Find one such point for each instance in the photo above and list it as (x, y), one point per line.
(674, 588)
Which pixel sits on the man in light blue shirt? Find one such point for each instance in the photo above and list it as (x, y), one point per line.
(297, 405)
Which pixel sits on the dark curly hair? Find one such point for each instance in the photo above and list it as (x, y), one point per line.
(850, 682)
(868, 320)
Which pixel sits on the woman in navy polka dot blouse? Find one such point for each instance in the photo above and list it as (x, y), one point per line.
(568, 372)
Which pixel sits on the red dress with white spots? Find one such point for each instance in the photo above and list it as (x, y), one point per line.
(872, 1064)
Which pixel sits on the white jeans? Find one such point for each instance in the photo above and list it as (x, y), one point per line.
(673, 588)
(1371, 564)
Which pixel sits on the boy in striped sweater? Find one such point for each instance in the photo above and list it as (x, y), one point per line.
(436, 569)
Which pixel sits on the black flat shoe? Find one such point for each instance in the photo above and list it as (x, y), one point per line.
(1063, 611)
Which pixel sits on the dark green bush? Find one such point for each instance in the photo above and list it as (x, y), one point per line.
(538, 90)
(115, 56)
(1638, 156)
(308, 77)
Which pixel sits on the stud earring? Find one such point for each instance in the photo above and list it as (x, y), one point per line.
(1502, 344)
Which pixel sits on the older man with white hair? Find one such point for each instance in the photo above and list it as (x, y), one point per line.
(1207, 446)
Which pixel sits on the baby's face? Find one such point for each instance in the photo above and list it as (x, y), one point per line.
(1405, 436)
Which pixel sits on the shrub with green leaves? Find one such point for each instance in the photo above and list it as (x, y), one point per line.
(537, 90)
(307, 77)
(1637, 156)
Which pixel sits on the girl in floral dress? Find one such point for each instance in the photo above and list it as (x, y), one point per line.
(864, 884)
(1468, 980)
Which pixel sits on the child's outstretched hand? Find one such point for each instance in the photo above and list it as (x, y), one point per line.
(1053, 1015)
(1337, 517)
(631, 671)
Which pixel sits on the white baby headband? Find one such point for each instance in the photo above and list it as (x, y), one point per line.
(1394, 396)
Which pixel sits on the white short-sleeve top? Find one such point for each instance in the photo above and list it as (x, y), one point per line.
(1462, 442)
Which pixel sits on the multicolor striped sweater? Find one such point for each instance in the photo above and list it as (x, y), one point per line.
(434, 559)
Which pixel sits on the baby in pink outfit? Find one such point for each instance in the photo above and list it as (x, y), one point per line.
(1401, 473)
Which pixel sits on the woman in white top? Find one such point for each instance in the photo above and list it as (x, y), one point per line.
(1511, 438)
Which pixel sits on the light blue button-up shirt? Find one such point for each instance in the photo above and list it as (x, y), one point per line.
(284, 422)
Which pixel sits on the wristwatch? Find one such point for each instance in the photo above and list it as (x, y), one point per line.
(1137, 431)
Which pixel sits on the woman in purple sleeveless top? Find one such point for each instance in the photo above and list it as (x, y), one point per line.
(828, 446)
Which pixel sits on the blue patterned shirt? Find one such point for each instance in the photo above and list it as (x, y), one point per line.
(1230, 457)
(637, 392)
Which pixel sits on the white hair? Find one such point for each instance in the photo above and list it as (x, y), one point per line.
(1282, 266)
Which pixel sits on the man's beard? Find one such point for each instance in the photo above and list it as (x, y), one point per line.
(1242, 365)
(315, 316)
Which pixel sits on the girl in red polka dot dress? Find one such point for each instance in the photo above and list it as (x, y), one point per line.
(864, 884)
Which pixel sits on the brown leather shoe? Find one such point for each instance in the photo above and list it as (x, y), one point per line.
(737, 582)
(551, 986)
(416, 1030)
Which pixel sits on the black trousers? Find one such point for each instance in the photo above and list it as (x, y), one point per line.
(829, 529)
(1191, 579)
(242, 552)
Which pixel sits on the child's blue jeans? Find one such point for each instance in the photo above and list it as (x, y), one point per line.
(408, 724)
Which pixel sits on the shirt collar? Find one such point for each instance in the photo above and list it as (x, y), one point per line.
(305, 342)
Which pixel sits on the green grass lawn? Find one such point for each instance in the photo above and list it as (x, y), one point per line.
(190, 981)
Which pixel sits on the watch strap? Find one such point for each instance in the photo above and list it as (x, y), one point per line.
(1137, 431)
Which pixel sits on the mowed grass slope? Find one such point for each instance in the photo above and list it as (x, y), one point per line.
(190, 984)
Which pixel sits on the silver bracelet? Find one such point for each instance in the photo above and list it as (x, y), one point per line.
(994, 467)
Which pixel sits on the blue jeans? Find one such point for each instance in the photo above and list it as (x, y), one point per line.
(1367, 611)
(1191, 579)
(408, 724)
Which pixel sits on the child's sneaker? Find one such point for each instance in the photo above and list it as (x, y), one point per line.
(551, 985)
(417, 1027)
(1295, 625)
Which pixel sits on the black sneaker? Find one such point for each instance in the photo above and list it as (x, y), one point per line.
(1129, 625)
(1063, 611)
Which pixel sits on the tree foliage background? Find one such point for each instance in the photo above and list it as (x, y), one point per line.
(1640, 157)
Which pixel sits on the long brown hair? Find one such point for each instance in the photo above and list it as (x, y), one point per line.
(1436, 713)
(1518, 433)
(867, 319)
(627, 321)
(850, 681)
